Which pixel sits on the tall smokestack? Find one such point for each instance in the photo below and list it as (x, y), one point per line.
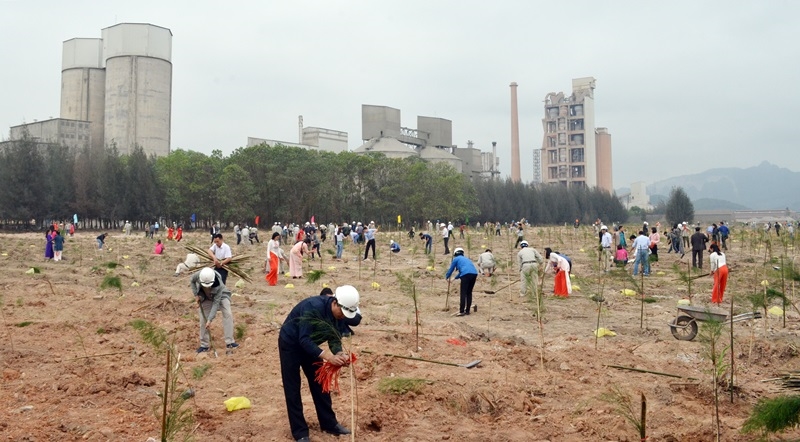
(514, 135)
(494, 160)
(300, 129)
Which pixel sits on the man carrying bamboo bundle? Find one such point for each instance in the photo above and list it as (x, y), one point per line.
(220, 254)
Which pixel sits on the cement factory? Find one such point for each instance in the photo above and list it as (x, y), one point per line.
(117, 91)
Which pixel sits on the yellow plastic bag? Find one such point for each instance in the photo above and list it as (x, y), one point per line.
(290, 286)
(628, 292)
(765, 283)
(429, 268)
(332, 268)
(375, 285)
(237, 403)
(582, 250)
(684, 302)
(600, 332)
(660, 273)
(775, 311)
(576, 287)
(239, 284)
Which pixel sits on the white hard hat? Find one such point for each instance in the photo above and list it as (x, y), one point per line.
(207, 276)
(347, 297)
(458, 251)
(603, 228)
(391, 242)
(523, 243)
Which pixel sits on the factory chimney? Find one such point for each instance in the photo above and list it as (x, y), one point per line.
(514, 135)
(300, 129)
(494, 160)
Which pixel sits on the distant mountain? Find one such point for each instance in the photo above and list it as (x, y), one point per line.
(763, 187)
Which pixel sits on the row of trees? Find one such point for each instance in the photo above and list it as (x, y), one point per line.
(277, 183)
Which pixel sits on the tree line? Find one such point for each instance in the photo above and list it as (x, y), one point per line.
(44, 182)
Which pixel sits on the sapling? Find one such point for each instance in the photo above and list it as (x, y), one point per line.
(710, 336)
(623, 406)
(773, 415)
(174, 417)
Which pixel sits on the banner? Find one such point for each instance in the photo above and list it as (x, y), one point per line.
(399, 220)
(193, 218)
(258, 218)
(75, 218)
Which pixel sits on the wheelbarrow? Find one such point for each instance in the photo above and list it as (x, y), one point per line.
(684, 327)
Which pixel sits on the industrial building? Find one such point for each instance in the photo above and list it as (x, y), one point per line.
(70, 133)
(431, 140)
(118, 86)
(574, 153)
(309, 138)
(637, 197)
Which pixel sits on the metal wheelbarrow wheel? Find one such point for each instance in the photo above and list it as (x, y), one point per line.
(684, 328)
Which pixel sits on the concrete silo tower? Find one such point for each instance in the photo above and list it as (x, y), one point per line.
(138, 88)
(83, 85)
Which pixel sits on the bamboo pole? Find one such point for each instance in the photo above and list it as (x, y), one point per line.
(639, 370)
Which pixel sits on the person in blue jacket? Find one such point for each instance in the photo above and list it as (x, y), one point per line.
(311, 322)
(467, 273)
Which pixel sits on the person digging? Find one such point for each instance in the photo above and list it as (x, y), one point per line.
(467, 273)
(212, 296)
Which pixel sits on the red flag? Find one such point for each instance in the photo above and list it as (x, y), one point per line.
(258, 218)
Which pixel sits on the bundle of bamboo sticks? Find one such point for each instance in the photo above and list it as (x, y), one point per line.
(231, 267)
(789, 380)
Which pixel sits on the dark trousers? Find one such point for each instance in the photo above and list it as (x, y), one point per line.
(238, 238)
(446, 247)
(222, 274)
(697, 258)
(467, 284)
(428, 245)
(370, 243)
(292, 360)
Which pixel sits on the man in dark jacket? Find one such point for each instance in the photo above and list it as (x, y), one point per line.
(311, 322)
(699, 241)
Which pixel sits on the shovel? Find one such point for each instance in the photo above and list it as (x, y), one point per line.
(447, 297)
(452, 364)
(205, 320)
(492, 292)
(699, 276)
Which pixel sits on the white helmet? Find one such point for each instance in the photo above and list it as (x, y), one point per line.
(207, 276)
(347, 297)
(523, 243)
(603, 228)
(458, 251)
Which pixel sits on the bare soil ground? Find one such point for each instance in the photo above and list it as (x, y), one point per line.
(79, 371)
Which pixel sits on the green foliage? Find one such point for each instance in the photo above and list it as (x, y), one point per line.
(199, 371)
(240, 331)
(151, 334)
(678, 207)
(314, 276)
(773, 415)
(111, 281)
(23, 324)
(111, 265)
(101, 331)
(400, 386)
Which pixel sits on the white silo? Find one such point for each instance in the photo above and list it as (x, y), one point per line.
(83, 86)
(138, 94)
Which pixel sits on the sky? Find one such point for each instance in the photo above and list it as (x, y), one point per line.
(682, 86)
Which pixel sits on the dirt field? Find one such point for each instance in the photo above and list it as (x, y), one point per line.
(78, 371)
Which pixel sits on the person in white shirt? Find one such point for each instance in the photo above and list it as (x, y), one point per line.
(192, 260)
(719, 269)
(221, 254)
(446, 236)
(486, 263)
(606, 241)
(274, 257)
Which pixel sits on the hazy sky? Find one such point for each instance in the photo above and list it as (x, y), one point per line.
(682, 86)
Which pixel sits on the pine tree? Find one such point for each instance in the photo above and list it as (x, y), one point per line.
(679, 207)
